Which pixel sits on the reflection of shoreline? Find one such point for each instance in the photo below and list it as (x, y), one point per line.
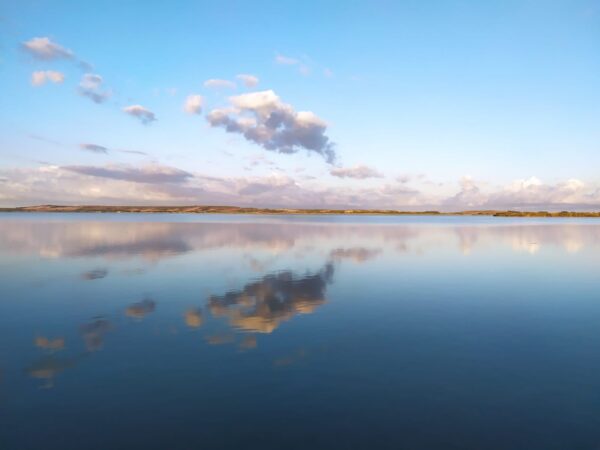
(155, 241)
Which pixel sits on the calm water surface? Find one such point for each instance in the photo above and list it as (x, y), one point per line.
(242, 332)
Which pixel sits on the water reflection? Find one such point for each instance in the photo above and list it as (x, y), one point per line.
(432, 316)
(48, 367)
(194, 318)
(356, 254)
(93, 333)
(52, 345)
(95, 274)
(263, 305)
(153, 242)
(139, 310)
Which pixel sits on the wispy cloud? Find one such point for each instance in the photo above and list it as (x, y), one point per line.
(302, 64)
(215, 83)
(101, 149)
(286, 60)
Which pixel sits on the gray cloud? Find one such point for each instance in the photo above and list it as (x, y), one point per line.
(94, 148)
(148, 174)
(359, 172)
(144, 115)
(262, 118)
(90, 86)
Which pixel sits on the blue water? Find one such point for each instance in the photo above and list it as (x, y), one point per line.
(135, 331)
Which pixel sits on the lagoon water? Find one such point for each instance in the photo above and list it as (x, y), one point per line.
(135, 331)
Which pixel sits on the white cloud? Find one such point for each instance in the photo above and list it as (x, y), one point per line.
(43, 48)
(262, 118)
(193, 104)
(90, 86)
(248, 80)
(144, 115)
(214, 83)
(39, 78)
(358, 172)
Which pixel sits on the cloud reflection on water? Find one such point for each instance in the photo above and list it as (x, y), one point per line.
(262, 305)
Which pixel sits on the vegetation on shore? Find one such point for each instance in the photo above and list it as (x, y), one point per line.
(242, 210)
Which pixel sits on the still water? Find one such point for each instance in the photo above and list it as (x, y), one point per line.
(242, 332)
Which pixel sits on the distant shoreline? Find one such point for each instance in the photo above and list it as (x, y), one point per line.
(289, 211)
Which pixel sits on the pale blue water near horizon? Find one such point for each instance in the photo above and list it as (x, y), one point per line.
(174, 331)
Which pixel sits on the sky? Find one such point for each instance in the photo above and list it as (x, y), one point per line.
(413, 105)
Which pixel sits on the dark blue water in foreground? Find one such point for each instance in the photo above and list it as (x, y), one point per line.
(242, 332)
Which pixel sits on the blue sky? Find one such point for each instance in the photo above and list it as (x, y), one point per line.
(446, 104)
